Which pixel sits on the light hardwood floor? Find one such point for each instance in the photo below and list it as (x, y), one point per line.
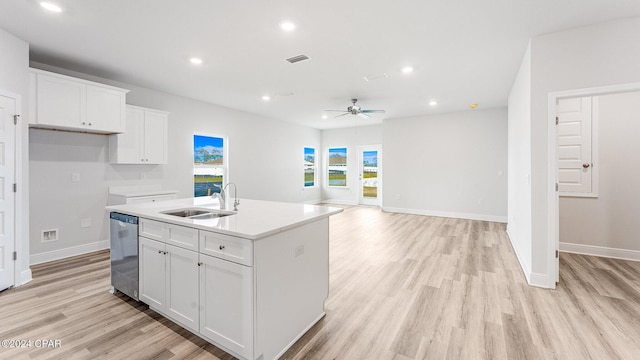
(402, 287)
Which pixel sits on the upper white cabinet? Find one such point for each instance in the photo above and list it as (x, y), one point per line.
(144, 140)
(67, 103)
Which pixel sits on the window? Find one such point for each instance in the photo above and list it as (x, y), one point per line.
(337, 167)
(209, 164)
(309, 167)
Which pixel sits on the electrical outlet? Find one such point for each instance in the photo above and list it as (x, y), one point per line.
(299, 250)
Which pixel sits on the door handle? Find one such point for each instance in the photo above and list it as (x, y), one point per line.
(586, 165)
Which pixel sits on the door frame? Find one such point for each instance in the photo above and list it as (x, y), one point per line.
(361, 199)
(553, 197)
(18, 238)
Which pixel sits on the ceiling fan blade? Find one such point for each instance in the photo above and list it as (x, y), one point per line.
(342, 115)
(334, 110)
(363, 115)
(373, 111)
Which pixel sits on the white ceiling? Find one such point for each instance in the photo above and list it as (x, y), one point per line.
(463, 51)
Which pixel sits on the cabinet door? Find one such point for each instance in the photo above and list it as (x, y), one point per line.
(182, 287)
(226, 300)
(60, 102)
(155, 137)
(126, 148)
(152, 273)
(105, 109)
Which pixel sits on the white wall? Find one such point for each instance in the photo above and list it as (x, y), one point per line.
(350, 138)
(598, 55)
(519, 160)
(447, 165)
(609, 222)
(14, 60)
(265, 161)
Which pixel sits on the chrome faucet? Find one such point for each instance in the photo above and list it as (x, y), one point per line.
(221, 196)
(236, 202)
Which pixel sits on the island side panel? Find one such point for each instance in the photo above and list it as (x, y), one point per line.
(292, 284)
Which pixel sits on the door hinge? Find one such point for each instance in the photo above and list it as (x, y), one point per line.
(557, 120)
(556, 186)
(15, 119)
(15, 187)
(557, 253)
(15, 255)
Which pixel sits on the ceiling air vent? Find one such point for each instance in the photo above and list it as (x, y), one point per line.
(298, 58)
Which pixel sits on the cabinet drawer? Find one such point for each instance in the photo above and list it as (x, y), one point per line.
(181, 236)
(151, 229)
(227, 247)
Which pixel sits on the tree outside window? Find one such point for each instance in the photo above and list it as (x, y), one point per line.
(337, 167)
(209, 164)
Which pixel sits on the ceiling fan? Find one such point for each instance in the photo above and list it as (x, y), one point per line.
(357, 110)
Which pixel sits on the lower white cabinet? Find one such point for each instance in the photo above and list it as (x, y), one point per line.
(152, 272)
(226, 300)
(169, 281)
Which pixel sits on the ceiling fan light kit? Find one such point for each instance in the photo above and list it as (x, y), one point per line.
(357, 110)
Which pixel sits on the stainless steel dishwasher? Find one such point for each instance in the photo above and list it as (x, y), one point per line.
(124, 254)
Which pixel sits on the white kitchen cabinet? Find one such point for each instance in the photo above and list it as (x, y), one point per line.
(181, 236)
(169, 281)
(152, 272)
(138, 194)
(67, 103)
(227, 247)
(144, 140)
(182, 301)
(226, 300)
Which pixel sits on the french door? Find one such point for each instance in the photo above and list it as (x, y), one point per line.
(370, 174)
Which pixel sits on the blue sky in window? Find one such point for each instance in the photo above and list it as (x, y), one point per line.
(208, 150)
(338, 152)
(370, 158)
(309, 154)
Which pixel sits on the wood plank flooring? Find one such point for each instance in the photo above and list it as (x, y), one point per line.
(402, 287)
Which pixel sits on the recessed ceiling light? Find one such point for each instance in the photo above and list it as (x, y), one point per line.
(287, 26)
(51, 6)
(433, 103)
(266, 97)
(195, 61)
(324, 116)
(473, 106)
(407, 69)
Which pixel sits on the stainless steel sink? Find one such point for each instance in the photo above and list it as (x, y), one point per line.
(186, 212)
(212, 215)
(198, 213)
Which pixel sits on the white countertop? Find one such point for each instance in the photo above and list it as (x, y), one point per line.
(254, 219)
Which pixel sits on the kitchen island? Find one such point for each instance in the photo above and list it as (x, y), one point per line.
(250, 281)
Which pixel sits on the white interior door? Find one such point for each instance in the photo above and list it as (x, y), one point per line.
(575, 163)
(7, 195)
(370, 174)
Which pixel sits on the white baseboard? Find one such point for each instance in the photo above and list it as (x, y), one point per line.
(541, 280)
(601, 251)
(340, 202)
(68, 252)
(456, 215)
(25, 277)
(533, 279)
